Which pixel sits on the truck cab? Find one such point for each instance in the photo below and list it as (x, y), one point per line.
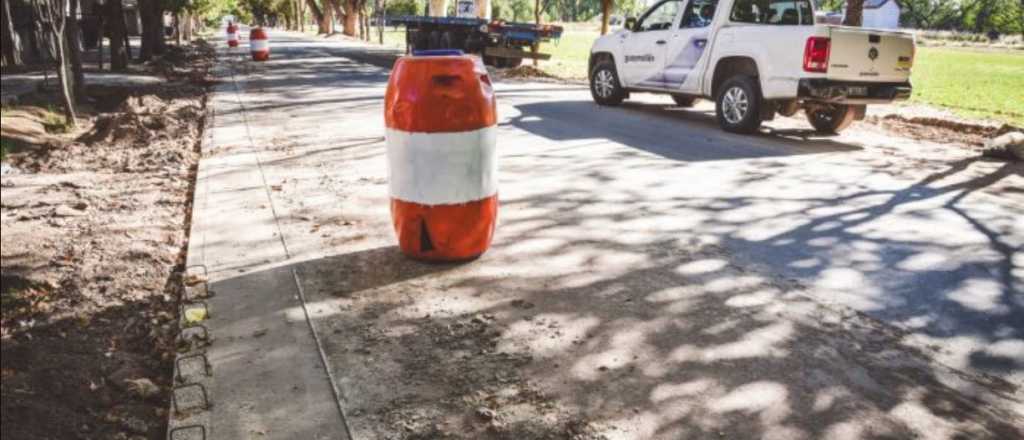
(755, 59)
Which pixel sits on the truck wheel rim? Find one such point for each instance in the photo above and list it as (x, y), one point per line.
(735, 105)
(603, 83)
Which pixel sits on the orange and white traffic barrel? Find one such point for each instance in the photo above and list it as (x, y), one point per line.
(259, 44)
(232, 35)
(442, 163)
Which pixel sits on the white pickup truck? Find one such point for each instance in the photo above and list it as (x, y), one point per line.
(755, 59)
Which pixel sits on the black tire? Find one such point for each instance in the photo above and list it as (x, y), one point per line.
(738, 105)
(434, 40)
(420, 40)
(831, 119)
(605, 87)
(447, 41)
(684, 101)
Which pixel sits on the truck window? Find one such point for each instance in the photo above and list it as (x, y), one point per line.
(660, 17)
(776, 12)
(698, 14)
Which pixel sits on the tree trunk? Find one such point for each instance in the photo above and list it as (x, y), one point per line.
(118, 35)
(66, 77)
(177, 28)
(606, 11)
(380, 7)
(100, 31)
(187, 27)
(9, 38)
(854, 13)
(74, 49)
(329, 11)
(318, 15)
(536, 17)
(152, 29)
(337, 12)
(437, 8)
(364, 20)
(351, 18)
(57, 26)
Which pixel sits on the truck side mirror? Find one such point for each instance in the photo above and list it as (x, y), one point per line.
(630, 23)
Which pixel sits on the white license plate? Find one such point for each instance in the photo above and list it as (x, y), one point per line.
(857, 91)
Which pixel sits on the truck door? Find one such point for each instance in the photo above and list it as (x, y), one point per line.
(645, 47)
(687, 45)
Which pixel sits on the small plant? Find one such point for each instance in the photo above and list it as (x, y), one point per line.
(5, 146)
(54, 123)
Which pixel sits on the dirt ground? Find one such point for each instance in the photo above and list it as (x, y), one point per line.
(94, 231)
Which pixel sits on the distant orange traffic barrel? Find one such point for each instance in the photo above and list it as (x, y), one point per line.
(232, 35)
(259, 44)
(442, 163)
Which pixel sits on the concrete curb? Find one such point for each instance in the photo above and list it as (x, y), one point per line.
(194, 425)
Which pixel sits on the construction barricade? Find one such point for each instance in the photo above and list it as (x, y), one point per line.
(442, 162)
(259, 44)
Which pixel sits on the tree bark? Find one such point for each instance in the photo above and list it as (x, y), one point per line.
(328, 18)
(74, 49)
(380, 7)
(152, 29)
(57, 26)
(118, 35)
(364, 20)
(177, 28)
(9, 38)
(606, 11)
(351, 18)
(854, 13)
(318, 15)
(187, 27)
(536, 17)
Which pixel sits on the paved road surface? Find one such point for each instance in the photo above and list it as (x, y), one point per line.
(651, 277)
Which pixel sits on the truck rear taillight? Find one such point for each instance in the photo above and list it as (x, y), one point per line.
(816, 54)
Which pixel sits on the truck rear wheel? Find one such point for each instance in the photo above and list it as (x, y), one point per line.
(830, 119)
(738, 105)
(605, 87)
(513, 62)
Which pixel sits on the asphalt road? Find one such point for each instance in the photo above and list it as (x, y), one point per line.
(651, 276)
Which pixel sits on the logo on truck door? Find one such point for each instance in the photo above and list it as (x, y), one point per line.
(873, 54)
(640, 58)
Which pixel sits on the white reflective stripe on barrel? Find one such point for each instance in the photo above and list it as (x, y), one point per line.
(442, 168)
(232, 37)
(259, 45)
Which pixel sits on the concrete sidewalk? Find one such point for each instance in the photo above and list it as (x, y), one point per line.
(268, 379)
(613, 304)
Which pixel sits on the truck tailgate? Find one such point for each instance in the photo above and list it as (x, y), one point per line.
(869, 55)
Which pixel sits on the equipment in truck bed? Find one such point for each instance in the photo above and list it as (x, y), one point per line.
(501, 43)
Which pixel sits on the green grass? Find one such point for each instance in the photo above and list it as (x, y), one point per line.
(974, 83)
(988, 84)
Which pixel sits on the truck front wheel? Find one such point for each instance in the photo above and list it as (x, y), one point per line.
(605, 87)
(830, 119)
(738, 105)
